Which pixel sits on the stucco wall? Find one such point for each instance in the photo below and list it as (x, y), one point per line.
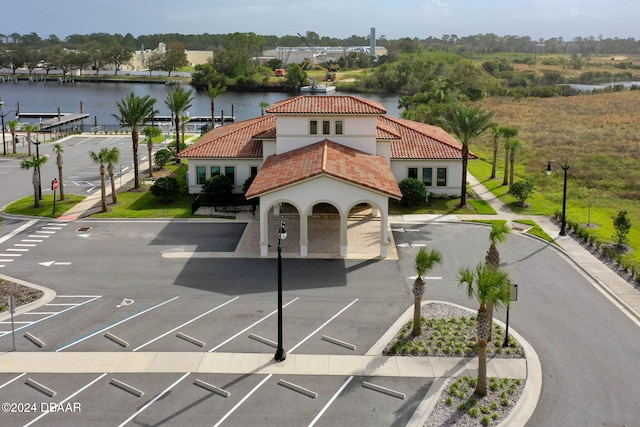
(359, 132)
(400, 170)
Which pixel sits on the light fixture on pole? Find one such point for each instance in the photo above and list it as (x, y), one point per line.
(282, 234)
(513, 296)
(2, 116)
(565, 168)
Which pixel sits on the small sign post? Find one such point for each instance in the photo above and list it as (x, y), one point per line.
(54, 187)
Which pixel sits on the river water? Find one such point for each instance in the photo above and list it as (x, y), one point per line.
(99, 100)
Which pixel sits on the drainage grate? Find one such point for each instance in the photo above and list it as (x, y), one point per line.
(83, 229)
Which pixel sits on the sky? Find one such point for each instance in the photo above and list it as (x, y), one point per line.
(332, 18)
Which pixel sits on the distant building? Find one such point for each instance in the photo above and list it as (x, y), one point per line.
(139, 58)
(318, 54)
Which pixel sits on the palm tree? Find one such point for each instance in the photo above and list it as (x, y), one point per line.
(58, 150)
(150, 132)
(100, 158)
(514, 146)
(213, 93)
(488, 286)
(263, 106)
(178, 102)
(496, 133)
(134, 112)
(112, 157)
(425, 261)
(28, 128)
(466, 123)
(34, 163)
(13, 126)
(183, 122)
(507, 134)
(498, 234)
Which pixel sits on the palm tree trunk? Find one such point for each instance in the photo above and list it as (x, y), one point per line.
(463, 191)
(113, 185)
(35, 180)
(136, 167)
(417, 314)
(213, 115)
(150, 150)
(505, 180)
(482, 327)
(481, 385)
(512, 161)
(103, 189)
(61, 183)
(495, 160)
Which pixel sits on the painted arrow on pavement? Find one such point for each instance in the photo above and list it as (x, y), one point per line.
(50, 263)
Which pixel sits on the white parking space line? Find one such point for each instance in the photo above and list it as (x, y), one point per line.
(253, 390)
(155, 399)
(330, 402)
(12, 380)
(184, 324)
(17, 250)
(25, 245)
(32, 241)
(251, 326)
(140, 313)
(323, 325)
(92, 298)
(61, 404)
(38, 236)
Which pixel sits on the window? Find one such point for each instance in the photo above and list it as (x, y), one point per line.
(326, 127)
(215, 171)
(339, 125)
(313, 127)
(201, 174)
(412, 173)
(427, 176)
(442, 177)
(253, 170)
(230, 172)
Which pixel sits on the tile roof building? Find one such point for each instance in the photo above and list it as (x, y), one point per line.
(342, 151)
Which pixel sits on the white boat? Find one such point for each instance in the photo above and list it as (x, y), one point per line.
(317, 89)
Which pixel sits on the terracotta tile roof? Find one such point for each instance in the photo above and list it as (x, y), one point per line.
(331, 104)
(420, 141)
(325, 158)
(237, 140)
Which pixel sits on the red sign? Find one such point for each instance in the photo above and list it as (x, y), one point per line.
(54, 184)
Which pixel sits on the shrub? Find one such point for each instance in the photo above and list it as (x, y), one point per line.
(162, 157)
(217, 186)
(247, 184)
(165, 188)
(521, 190)
(622, 225)
(413, 191)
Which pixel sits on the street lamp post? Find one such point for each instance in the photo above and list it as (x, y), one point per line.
(2, 116)
(565, 168)
(513, 296)
(282, 234)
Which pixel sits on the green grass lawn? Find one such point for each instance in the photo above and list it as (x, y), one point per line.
(589, 208)
(25, 206)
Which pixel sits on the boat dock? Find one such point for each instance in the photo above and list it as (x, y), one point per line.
(200, 119)
(53, 119)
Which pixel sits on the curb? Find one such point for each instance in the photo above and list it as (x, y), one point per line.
(49, 295)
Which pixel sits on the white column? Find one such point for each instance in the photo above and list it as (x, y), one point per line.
(264, 231)
(344, 240)
(384, 234)
(304, 235)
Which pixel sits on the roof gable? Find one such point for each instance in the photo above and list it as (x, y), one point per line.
(419, 140)
(333, 104)
(325, 158)
(237, 140)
